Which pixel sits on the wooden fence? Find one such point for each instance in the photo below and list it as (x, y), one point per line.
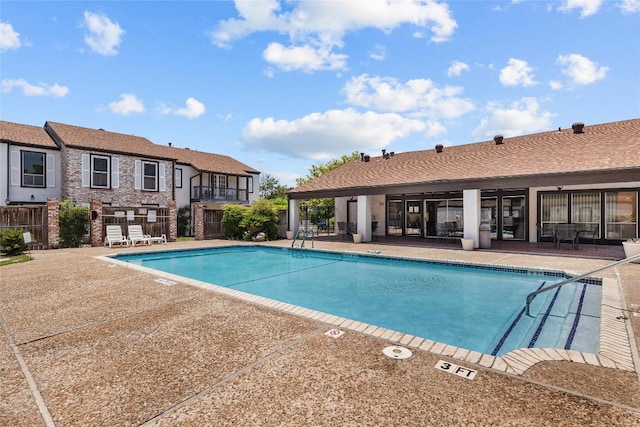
(26, 218)
(213, 228)
(154, 221)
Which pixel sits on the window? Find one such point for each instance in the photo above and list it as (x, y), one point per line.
(100, 171)
(250, 184)
(585, 210)
(219, 186)
(149, 176)
(554, 208)
(621, 214)
(178, 178)
(33, 169)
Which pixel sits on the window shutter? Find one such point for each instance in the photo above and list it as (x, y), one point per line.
(162, 185)
(138, 175)
(115, 172)
(86, 170)
(15, 168)
(51, 170)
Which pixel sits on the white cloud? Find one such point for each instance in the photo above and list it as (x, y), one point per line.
(581, 70)
(555, 85)
(316, 28)
(306, 58)
(517, 73)
(456, 68)
(434, 129)
(586, 7)
(379, 52)
(630, 6)
(28, 89)
(324, 136)
(225, 117)
(104, 36)
(193, 109)
(519, 118)
(128, 104)
(9, 38)
(421, 97)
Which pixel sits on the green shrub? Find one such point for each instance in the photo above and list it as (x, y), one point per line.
(12, 242)
(74, 224)
(262, 216)
(184, 221)
(232, 216)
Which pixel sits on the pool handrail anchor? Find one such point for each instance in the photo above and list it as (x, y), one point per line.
(533, 294)
(305, 233)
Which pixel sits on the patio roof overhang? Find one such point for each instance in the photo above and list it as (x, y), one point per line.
(490, 183)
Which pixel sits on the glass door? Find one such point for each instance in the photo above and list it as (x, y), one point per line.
(513, 218)
(488, 211)
(394, 218)
(413, 224)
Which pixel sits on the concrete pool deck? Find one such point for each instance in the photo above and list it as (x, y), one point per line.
(89, 342)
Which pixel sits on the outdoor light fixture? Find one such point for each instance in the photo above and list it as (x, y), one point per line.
(559, 187)
(33, 197)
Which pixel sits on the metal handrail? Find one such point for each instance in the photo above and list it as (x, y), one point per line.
(533, 294)
(304, 239)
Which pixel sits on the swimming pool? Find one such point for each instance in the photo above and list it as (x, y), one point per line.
(476, 307)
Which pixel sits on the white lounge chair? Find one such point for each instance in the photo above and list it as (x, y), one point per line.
(114, 236)
(137, 236)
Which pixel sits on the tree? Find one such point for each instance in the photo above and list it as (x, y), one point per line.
(317, 171)
(319, 209)
(270, 188)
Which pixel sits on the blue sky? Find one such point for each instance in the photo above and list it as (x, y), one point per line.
(283, 85)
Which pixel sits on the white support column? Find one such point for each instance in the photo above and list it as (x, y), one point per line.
(471, 201)
(294, 215)
(364, 218)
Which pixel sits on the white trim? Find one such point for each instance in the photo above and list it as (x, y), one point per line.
(86, 171)
(137, 171)
(15, 168)
(162, 179)
(51, 170)
(115, 172)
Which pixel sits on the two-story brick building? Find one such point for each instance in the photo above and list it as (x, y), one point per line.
(66, 161)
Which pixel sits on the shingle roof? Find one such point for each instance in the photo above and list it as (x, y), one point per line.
(209, 162)
(16, 133)
(601, 147)
(98, 139)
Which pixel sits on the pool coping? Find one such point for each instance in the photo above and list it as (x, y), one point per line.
(614, 351)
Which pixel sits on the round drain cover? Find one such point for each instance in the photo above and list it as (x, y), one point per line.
(397, 352)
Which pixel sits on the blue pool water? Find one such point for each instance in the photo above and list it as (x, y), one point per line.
(479, 308)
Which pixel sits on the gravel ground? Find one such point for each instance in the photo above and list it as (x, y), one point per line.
(91, 343)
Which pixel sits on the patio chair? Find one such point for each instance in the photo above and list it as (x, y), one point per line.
(590, 232)
(545, 231)
(137, 236)
(567, 233)
(114, 236)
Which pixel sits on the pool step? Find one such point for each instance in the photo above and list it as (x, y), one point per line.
(567, 317)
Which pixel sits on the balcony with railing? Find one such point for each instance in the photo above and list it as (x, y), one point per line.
(219, 195)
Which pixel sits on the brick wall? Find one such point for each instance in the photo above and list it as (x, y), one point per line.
(198, 221)
(53, 223)
(173, 222)
(96, 222)
(125, 194)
